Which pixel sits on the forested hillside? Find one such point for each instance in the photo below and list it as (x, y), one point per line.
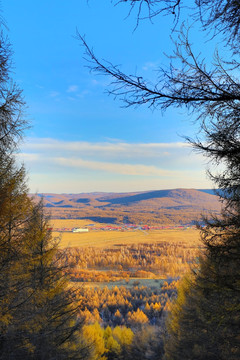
(176, 206)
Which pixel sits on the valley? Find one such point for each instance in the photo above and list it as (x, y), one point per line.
(162, 207)
(125, 253)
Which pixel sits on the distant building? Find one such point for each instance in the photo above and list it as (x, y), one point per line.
(79, 230)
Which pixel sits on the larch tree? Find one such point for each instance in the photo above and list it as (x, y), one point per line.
(14, 202)
(38, 309)
(47, 326)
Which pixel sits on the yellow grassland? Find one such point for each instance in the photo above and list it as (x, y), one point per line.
(150, 283)
(108, 239)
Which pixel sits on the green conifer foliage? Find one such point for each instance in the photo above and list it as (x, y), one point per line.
(48, 321)
(37, 307)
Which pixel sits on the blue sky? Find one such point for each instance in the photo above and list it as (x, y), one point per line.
(80, 139)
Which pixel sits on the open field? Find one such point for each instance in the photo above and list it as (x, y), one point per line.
(150, 283)
(126, 270)
(109, 239)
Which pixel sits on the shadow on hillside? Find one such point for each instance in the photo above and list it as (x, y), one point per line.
(138, 197)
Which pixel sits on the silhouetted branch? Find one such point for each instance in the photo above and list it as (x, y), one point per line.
(222, 16)
(192, 85)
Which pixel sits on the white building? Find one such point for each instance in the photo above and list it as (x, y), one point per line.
(81, 230)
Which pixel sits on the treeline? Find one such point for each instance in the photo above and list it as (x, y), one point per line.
(38, 308)
(135, 216)
(138, 260)
(126, 323)
(121, 343)
(132, 307)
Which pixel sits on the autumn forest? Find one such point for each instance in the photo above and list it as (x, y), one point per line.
(143, 275)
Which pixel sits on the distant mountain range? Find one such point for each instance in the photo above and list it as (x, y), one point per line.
(179, 206)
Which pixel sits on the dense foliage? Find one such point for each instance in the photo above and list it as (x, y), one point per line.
(147, 260)
(131, 306)
(37, 309)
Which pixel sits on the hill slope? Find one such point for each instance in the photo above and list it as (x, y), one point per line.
(176, 206)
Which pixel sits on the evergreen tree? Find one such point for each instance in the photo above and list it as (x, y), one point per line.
(47, 327)
(38, 310)
(14, 202)
(146, 345)
(14, 210)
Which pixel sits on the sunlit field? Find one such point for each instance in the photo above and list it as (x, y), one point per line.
(108, 239)
(150, 283)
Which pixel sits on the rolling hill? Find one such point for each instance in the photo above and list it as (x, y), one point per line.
(175, 206)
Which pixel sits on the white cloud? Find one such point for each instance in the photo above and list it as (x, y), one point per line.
(145, 164)
(150, 65)
(29, 157)
(49, 183)
(164, 155)
(123, 169)
(95, 82)
(54, 94)
(72, 88)
(82, 94)
(146, 150)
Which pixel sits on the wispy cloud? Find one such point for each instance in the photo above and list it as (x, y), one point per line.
(176, 155)
(30, 157)
(150, 65)
(54, 94)
(72, 89)
(82, 94)
(117, 168)
(167, 163)
(145, 149)
(166, 155)
(95, 82)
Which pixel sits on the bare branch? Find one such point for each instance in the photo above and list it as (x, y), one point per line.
(152, 8)
(192, 85)
(222, 16)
